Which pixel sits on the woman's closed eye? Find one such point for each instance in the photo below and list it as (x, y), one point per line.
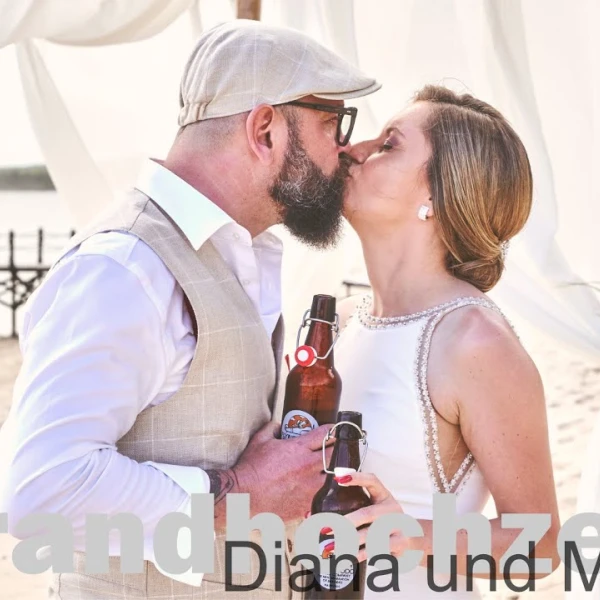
(391, 143)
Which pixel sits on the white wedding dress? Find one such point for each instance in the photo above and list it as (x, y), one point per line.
(383, 366)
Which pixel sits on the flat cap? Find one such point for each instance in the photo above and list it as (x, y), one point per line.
(240, 64)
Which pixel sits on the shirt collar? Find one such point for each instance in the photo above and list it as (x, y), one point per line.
(197, 217)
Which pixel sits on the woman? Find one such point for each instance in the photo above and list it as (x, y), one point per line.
(450, 399)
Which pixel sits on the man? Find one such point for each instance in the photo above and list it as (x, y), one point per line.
(152, 349)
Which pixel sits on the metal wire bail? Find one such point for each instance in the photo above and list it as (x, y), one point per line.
(363, 440)
(335, 326)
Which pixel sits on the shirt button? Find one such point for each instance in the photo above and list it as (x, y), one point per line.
(236, 236)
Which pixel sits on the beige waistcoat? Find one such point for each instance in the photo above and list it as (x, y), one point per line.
(230, 391)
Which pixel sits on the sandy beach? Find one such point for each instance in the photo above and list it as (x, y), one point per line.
(573, 398)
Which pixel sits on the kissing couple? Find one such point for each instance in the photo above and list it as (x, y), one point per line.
(152, 351)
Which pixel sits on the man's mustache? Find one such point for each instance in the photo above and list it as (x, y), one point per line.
(346, 161)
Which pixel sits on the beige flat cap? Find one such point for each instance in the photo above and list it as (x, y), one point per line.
(240, 64)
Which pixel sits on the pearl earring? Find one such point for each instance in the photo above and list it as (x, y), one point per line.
(423, 212)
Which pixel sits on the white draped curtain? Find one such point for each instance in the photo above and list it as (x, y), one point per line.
(535, 61)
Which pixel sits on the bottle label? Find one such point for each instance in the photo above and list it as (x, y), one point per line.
(297, 423)
(344, 570)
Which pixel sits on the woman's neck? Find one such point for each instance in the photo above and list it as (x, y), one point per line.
(407, 274)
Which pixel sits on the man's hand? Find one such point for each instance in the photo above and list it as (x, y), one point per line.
(281, 476)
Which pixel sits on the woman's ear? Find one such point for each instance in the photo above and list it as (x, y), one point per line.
(264, 132)
(430, 204)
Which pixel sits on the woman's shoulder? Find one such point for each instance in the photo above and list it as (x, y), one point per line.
(476, 330)
(478, 326)
(478, 344)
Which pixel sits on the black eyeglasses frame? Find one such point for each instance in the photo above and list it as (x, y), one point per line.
(341, 111)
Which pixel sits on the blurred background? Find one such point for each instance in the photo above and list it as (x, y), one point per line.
(90, 89)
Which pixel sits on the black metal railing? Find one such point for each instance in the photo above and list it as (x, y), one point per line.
(350, 285)
(20, 276)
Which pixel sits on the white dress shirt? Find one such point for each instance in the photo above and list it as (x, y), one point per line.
(106, 335)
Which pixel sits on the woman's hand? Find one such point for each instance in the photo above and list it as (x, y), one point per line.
(383, 504)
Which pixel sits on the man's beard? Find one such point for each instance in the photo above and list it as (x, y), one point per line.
(309, 202)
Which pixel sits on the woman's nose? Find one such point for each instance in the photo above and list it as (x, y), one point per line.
(360, 151)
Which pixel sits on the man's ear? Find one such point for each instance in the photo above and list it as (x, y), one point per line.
(265, 131)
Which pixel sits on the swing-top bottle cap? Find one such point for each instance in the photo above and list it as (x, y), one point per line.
(305, 356)
(341, 471)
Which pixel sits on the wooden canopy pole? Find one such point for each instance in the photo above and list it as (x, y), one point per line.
(248, 9)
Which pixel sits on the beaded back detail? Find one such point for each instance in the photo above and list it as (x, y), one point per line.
(430, 318)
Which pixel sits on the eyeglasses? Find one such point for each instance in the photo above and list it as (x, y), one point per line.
(346, 118)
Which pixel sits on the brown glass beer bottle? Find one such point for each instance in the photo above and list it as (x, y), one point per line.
(335, 498)
(313, 386)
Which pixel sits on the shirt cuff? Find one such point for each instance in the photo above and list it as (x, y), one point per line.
(192, 480)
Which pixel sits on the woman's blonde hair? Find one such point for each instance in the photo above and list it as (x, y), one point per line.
(480, 182)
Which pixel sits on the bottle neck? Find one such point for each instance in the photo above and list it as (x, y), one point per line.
(346, 453)
(320, 337)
